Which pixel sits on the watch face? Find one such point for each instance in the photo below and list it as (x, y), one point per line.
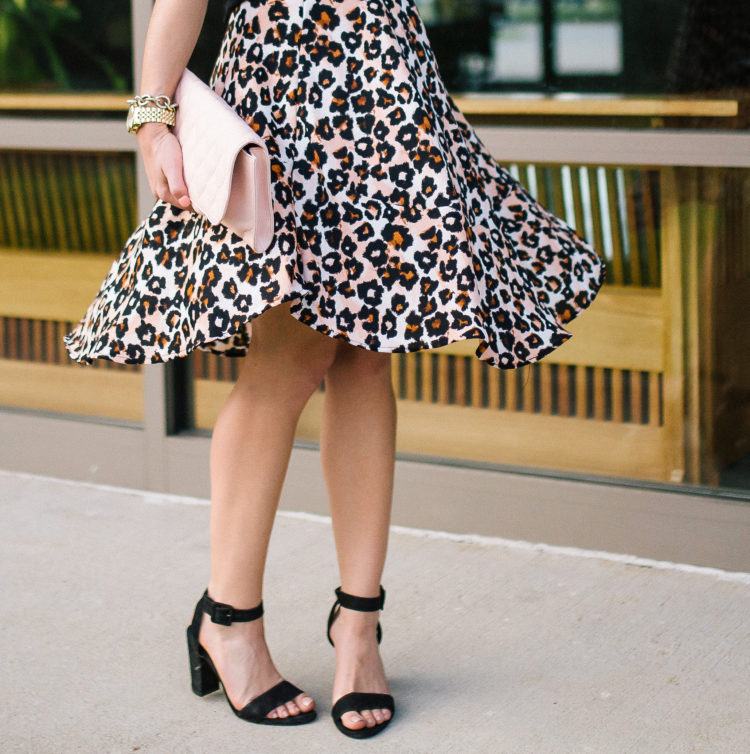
(129, 121)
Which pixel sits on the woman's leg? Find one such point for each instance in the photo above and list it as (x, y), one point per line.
(250, 448)
(358, 448)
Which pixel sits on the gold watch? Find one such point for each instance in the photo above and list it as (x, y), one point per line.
(148, 109)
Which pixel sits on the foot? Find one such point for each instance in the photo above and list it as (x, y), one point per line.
(244, 664)
(358, 665)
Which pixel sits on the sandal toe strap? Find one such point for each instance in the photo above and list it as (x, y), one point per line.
(357, 701)
(277, 695)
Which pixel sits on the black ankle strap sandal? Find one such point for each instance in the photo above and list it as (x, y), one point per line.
(205, 678)
(363, 604)
(356, 701)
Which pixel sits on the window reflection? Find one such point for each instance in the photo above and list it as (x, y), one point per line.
(638, 46)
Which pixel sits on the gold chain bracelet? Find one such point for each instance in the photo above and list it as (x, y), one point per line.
(162, 101)
(145, 108)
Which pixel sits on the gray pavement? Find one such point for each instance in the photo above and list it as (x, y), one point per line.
(491, 646)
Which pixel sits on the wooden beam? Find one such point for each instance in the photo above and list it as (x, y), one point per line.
(49, 285)
(75, 389)
(507, 437)
(470, 103)
(623, 330)
(596, 105)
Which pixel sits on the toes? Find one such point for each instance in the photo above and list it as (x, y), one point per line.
(353, 720)
(304, 702)
(368, 717)
(378, 715)
(386, 714)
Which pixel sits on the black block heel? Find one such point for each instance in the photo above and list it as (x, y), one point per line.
(205, 678)
(356, 701)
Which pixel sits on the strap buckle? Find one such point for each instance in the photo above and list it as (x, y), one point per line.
(221, 614)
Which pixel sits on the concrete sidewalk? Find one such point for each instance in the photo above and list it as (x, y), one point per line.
(491, 646)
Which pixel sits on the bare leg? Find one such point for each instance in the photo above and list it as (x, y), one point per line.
(250, 449)
(357, 449)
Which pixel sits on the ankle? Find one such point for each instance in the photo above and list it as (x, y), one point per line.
(355, 623)
(214, 633)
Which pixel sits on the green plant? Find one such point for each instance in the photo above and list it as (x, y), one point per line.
(41, 40)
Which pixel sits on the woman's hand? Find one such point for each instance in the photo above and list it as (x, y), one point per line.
(162, 156)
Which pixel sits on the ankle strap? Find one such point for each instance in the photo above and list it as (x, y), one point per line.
(226, 614)
(363, 604)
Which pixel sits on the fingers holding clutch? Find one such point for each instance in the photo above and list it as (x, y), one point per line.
(162, 157)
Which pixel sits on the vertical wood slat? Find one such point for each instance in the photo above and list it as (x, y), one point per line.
(124, 219)
(511, 391)
(443, 366)
(13, 339)
(61, 235)
(37, 339)
(599, 394)
(477, 369)
(618, 265)
(557, 197)
(213, 366)
(33, 180)
(94, 207)
(580, 225)
(106, 201)
(544, 190)
(396, 375)
(527, 391)
(546, 386)
(9, 227)
(410, 364)
(563, 390)
(48, 201)
(65, 188)
(597, 240)
(48, 346)
(459, 376)
(634, 261)
(427, 377)
(79, 194)
(651, 221)
(124, 192)
(581, 392)
(654, 399)
(26, 198)
(636, 397)
(494, 376)
(25, 338)
(16, 193)
(617, 395)
(56, 342)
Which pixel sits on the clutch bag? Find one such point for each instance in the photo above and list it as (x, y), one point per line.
(226, 164)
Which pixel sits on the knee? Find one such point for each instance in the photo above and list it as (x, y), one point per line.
(293, 370)
(311, 365)
(358, 366)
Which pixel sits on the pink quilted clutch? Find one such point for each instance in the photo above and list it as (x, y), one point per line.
(226, 164)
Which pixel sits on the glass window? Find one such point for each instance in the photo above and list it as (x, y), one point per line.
(638, 46)
(65, 45)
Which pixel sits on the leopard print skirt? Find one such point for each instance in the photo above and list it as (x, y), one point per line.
(395, 229)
